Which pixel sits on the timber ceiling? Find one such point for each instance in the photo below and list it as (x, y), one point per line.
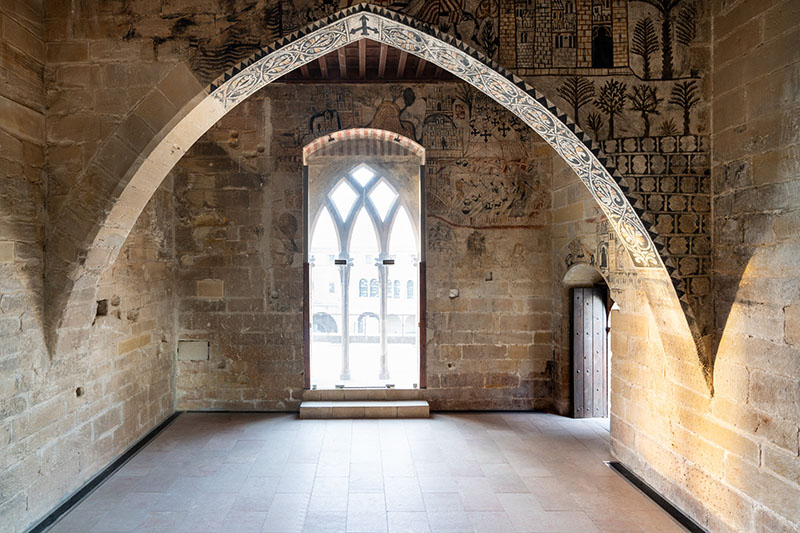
(368, 61)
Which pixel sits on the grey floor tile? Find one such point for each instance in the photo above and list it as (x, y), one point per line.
(287, 513)
(451, 473)
(326, 522)
(449, 522)
(408, 522)
(366, 513)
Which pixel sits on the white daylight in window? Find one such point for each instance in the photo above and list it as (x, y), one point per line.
(324, 240)
(343, 197)
(383, 198)
(402, 239)
(364, 240)
(362, 175)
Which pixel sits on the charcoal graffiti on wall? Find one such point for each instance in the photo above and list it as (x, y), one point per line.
(480, 170)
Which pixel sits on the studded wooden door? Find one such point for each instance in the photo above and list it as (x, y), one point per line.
(589, 353)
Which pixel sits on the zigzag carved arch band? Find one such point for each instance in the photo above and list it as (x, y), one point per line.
(385, 26)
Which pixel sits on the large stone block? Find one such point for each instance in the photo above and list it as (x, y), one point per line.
(210, 288)
(791, 327)
(67, 52)
(7, 252)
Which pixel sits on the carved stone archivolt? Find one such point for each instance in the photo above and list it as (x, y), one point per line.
(385, 26)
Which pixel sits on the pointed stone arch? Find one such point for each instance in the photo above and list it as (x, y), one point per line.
(101, 209)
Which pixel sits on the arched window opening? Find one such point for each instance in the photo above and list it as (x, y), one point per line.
(364, 245)
(363, 291)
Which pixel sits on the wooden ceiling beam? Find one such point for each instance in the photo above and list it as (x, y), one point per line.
(342, 63)
(362, 59)
(401, 64)
(420, 68)
(382, 60)
(304, 71)
(323, 67)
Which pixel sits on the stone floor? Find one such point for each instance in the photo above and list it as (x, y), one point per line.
(499, 472)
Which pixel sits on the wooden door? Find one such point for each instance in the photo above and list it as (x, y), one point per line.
(589, 353)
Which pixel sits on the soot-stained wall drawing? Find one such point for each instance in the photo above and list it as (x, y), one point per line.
(480, 169)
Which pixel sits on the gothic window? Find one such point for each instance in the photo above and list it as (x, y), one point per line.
(361, 237)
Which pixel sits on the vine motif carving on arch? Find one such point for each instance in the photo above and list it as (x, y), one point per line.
(367, 21)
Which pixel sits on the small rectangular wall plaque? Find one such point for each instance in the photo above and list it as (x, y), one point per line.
(193, 350)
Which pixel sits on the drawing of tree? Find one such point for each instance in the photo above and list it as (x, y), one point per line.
(645, 100)
(611, 101)
(685, 26)
(489, 38)
(595, 123)
(645, 42)
(665, 7)
(577, 92)
(684, 95)
(466, 93)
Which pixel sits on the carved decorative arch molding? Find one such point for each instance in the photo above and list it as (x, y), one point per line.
(117, 193)
(366, 21)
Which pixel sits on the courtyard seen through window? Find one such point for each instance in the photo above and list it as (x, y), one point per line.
(364, 245)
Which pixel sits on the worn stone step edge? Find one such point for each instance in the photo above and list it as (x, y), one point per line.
(361, 394)
(365, 409)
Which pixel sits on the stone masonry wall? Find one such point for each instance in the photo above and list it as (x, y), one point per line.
(65, 418)
(756, 186)
(240, 243)
(731, 457)
(23, 357)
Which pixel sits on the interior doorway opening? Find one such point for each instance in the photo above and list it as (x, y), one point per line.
(364, 261)
(590, 304)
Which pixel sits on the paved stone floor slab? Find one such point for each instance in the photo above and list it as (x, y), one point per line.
(471, 472)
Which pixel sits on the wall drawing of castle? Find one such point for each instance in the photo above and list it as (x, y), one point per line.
(564, 36)
(440, 134)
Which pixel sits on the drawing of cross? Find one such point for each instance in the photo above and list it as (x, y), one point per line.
(504, 129)
(474, 132)
(485, 136)
(364, 29)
